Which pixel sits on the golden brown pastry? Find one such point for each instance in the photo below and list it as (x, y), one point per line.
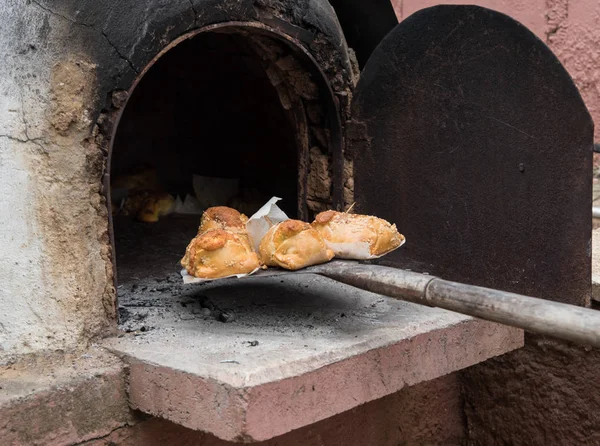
(134, 202)
(223, 217)
(158, 204)
(219, 253)
(148, 206)
(355, 236)
(292, 245)
(144, 197)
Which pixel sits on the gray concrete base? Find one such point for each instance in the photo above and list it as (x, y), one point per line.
(300, 349)
(62, 399)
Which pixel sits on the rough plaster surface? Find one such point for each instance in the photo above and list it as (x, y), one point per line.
(573, 34)
(596, 252)
(596, 264)
(62, 399)
(53, 240)
(528, 12)
(568, 27)
(323, 348)
(546, 393)
(426, 414)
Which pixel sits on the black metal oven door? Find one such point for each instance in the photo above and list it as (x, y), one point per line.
(469, 134)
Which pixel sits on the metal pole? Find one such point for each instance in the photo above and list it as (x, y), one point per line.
(569, 322)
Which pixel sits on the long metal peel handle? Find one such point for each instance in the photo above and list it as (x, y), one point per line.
(569, 322)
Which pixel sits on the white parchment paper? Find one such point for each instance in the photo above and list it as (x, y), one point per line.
(187, 279)
(268, 215)
(189, 205)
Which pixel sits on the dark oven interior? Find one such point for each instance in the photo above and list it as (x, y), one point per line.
(236, 109)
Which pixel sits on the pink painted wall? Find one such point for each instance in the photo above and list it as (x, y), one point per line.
(571, 28)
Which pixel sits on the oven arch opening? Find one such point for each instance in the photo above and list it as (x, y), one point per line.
(237, 102)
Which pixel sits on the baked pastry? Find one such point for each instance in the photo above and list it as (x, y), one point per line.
(148, 206)
(218, 253)
(223, 217)
(158, 204)
(355, 236)
(138, 193)
(292, 245)
(134, 202)
(222, 247)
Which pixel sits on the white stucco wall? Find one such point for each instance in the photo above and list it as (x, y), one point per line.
(26, 317)
(44, 303)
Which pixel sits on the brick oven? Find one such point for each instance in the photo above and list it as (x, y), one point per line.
(457, 124)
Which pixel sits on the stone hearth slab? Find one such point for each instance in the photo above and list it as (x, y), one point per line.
(297, 349)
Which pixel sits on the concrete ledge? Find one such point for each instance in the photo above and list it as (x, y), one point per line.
(205, 375)
(62, 399)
